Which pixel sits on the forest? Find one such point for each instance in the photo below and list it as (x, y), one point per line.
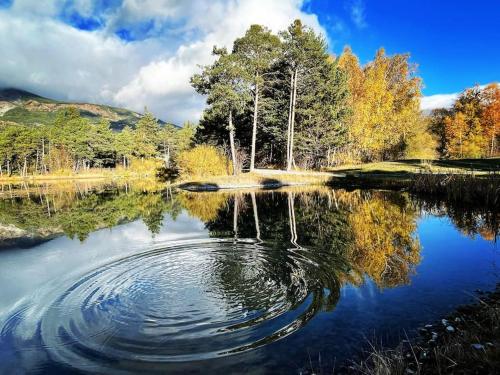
(283, 100)
(275, 101)
(74, 143)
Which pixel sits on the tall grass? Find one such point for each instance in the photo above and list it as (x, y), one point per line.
(464, 188)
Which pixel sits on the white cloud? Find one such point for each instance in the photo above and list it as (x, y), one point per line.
(52, 58)
(428, 103)
(358, 16)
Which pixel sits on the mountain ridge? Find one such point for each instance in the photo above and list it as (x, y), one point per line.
(24, 107)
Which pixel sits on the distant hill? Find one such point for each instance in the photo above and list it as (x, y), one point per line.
(27, 108)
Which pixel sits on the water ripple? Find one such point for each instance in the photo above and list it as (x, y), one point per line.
(178, 303)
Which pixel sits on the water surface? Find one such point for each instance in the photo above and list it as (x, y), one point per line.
(129, 279)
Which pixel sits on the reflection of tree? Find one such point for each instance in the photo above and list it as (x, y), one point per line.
(297, 269)
(470, 219)
(204, 206)
(345, 235)
(384, 246)
(78, 213)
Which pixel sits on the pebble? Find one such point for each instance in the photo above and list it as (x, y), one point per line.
(477, 346)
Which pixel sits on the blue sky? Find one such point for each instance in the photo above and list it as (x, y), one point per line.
(137, 53)
(455, 43)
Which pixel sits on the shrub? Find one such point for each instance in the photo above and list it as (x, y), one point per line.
(203, 161)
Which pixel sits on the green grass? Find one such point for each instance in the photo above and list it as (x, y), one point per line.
(408, 167)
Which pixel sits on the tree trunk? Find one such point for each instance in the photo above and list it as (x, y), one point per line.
(255, 215)
(8, 167)
(289, 122)
(231, 142)
(292, 120)
(235, 217)
(291, 216)
(254, 127)
(25, 167)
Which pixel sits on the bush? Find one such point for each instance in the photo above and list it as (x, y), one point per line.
(203, 161)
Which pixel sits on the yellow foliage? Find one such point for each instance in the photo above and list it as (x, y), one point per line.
(203, 161)
(140, 166)
(204, 208)
(384, 246)
(385, 98)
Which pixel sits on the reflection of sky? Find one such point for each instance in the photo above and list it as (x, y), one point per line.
(25, 270)
(453, 265)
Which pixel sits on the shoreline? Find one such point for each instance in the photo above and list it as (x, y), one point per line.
(465, 341)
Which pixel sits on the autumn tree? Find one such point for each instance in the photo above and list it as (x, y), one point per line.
(385, 100)
(491, 116)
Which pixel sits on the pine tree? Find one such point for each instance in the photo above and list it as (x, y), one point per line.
(257, 51)
(226, 96)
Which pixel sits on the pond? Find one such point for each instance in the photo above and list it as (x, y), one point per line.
(136, 278)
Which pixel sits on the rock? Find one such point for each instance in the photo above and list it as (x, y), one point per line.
(445, 322)
(428, 326)
(434, 336)
(457, 319)
(450, 329)
(477, 347)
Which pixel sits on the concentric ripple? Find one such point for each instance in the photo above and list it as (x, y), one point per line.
(179, 303)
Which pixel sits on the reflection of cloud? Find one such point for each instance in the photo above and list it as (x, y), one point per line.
(52, 263)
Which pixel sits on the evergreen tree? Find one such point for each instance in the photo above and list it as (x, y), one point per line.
(146, 136)
(257, 52)
(226, 96)
(318, 96)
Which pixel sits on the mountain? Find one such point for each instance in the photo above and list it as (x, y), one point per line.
(27, 108)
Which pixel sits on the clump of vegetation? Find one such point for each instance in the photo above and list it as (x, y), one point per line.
(465, 188)
(203, 161)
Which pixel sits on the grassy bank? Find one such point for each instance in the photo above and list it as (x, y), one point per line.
(261, 178)
(139, 169)
(465, 342)
(406, 168)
